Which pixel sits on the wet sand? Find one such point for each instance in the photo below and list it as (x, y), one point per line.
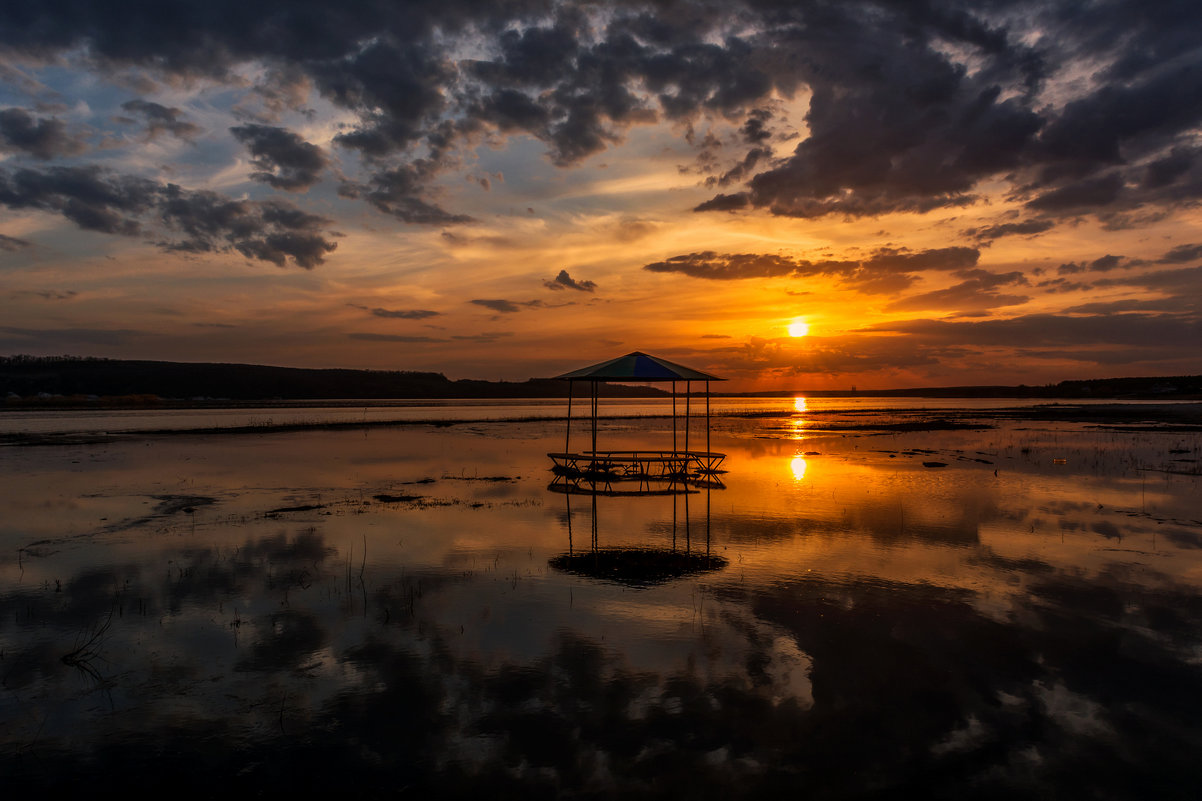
(1000, 611)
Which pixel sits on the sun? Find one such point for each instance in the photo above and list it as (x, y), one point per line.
(799, 328)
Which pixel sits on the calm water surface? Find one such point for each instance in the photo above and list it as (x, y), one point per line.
(414, 609)
(265, 417)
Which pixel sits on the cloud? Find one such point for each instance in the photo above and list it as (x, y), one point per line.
(47, 294)
(487, 336)
(92, 198)
(1103, 264)
(504, 306)
(1082, 195)
(96, 199)
(728, 266)
(283, 159)
(1031, 334)
(399, 191)
(398, 314)
(370, 337)
(271, 231)
(910, 107)
(43, 139)
(12, 243)
(162, 119)
(999, 230)
(720, 202)
(565, 281)
(1175, 305)
(396, 85)
(885, 270)
(978, 292)
(826, 356)
(1182, 254)
(1187, 280)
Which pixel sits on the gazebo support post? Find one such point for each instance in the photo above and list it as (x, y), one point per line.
(673, 417)
(707, 421)
(688, 397)
(594, 383)
(567, 436)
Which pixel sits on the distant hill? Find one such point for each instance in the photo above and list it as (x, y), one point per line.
(70, 377)
(1186, 387)
(63, 378)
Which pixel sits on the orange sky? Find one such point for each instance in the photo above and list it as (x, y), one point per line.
(506, 195)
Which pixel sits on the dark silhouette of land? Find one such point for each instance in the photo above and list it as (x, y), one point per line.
(70, 380)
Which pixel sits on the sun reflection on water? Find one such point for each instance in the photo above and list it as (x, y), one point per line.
(798, 466)
(798, 423)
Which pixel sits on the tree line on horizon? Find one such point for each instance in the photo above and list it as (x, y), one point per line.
(32, 377)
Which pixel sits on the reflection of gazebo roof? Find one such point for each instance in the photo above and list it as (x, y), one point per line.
(637, 367)
(636, 567)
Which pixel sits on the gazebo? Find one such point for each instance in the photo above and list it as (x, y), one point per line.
(674, 464)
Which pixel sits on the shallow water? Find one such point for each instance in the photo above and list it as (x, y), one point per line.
(383, 610)
(266, 416)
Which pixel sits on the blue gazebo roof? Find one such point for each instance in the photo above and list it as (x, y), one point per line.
(638, 367)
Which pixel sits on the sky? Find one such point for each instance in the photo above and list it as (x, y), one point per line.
(934, 193)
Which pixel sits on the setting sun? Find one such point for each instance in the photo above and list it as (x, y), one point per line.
(799, 328)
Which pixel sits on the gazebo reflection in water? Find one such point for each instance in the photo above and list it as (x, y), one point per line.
(678, 472)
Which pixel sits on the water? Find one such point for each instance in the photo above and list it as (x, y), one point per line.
(268, 415)
(380, 610)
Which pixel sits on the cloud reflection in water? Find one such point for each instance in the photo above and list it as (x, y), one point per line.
(878, 626)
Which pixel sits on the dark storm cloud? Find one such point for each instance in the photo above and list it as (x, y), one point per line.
(1118, 125)
(162, 119)
(398, 314)
(21, 132)
(565, 281)
(99, 200)
(283, 159)
(911, 106)
(398, 90)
